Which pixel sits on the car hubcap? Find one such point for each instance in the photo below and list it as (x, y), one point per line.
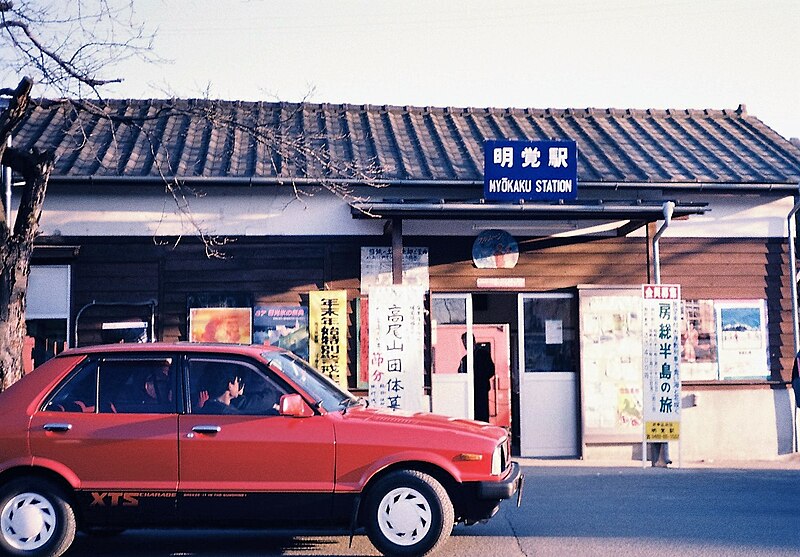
(404, 516)
(27, 521)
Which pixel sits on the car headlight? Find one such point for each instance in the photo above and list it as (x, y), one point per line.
(499, 459)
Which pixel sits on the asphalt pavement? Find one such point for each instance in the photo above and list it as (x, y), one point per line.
(581, 508)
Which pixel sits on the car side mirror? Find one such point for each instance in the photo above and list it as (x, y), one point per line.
(293, 405)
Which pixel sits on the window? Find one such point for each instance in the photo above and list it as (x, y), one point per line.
(141, 386)
(232, 387)
(78, 393)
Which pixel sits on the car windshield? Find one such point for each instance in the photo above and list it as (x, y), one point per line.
(325, 392)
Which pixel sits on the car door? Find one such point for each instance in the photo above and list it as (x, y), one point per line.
(111, 426)
(242, 461)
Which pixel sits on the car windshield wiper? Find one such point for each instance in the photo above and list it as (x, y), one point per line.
(350, 402)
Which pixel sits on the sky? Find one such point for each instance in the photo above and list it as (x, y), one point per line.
(536, 53)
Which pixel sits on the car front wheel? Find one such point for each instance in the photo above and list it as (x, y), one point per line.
(35, 519)
(408, 513)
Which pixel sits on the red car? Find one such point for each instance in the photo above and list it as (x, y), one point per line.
(170, 435)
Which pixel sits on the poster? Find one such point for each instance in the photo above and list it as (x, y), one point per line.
(226, 325)
(611, 363)
(699, 341)
(661, 351)
(376, 267)
(396, 347)
(283, 326)
(327, 332)
(742, 335)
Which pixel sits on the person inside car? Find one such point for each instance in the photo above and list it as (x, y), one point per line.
(222, 390)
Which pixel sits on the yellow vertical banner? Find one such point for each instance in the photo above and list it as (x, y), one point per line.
(327, 328)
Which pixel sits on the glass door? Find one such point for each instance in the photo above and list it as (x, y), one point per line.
(548, 363)
(452, 345)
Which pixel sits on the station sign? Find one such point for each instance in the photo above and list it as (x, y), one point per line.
(530, 170)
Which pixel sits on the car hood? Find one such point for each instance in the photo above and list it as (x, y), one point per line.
(426, 420)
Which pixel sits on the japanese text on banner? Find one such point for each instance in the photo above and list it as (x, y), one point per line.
(327, 325)
(396, 347)
(661, 358)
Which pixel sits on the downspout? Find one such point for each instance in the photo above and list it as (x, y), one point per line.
(668, 208)
(790, 222)
(793, 271)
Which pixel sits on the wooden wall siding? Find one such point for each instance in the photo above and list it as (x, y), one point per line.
(545, 264)
(276, 272)
(112, 274)
(738, 269)
(283, 270)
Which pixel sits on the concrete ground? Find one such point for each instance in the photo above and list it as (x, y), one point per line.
(783, 462)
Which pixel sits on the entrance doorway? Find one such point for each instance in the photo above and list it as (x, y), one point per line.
(472, 356)
(532, 342)
(548, 379)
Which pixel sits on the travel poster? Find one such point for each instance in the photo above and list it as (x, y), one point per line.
(283, 326)
(225, 325)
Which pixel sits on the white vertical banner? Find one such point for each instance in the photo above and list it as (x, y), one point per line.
(661, 353)
(396, 347)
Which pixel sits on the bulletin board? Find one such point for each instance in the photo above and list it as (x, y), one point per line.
(611, 363)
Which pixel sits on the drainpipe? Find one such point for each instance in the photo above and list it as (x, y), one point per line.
(668, 208)
(793, 271)
(790, 222)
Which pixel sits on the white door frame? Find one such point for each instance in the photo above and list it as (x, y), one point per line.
(452, 394)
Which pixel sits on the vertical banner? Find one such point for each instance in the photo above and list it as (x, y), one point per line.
(396, 347)
(661, 352)
(327, 326)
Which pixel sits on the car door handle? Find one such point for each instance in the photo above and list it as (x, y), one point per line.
(207, 429)
(57, 427)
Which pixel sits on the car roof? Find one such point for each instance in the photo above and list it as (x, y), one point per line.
(134, 347)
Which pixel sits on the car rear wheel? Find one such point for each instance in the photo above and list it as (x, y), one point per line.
(408, 513)
(35, 519)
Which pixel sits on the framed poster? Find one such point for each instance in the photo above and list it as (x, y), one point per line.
(283, 326)
(226, 325)
(742, 334)
(611, 363)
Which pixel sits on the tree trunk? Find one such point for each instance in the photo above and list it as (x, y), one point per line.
(16, 246)
(15, 269)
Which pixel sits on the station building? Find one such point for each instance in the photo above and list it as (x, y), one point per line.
(160, 210)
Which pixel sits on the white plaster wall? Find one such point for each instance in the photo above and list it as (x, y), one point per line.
(118, 211)
(256, 211)
(736, 425)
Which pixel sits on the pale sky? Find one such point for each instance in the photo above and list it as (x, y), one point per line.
(537, 53)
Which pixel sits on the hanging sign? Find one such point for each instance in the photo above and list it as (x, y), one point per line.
(396, 347)
(534, 170)
(661, 353)
(327, 328)
(376, 267)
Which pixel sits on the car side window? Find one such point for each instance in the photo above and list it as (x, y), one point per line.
(137, 386)
(232, 387)
(78, 393)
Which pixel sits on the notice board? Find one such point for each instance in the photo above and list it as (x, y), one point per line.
(611, 363)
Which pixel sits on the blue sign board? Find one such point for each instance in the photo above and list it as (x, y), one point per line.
(530, 170)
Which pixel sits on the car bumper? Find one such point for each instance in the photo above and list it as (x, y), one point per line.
(505, 488)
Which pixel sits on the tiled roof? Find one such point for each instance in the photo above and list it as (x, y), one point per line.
(222, 139)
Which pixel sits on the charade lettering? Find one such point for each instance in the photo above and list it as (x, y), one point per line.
(504, 185)
(553, 186)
